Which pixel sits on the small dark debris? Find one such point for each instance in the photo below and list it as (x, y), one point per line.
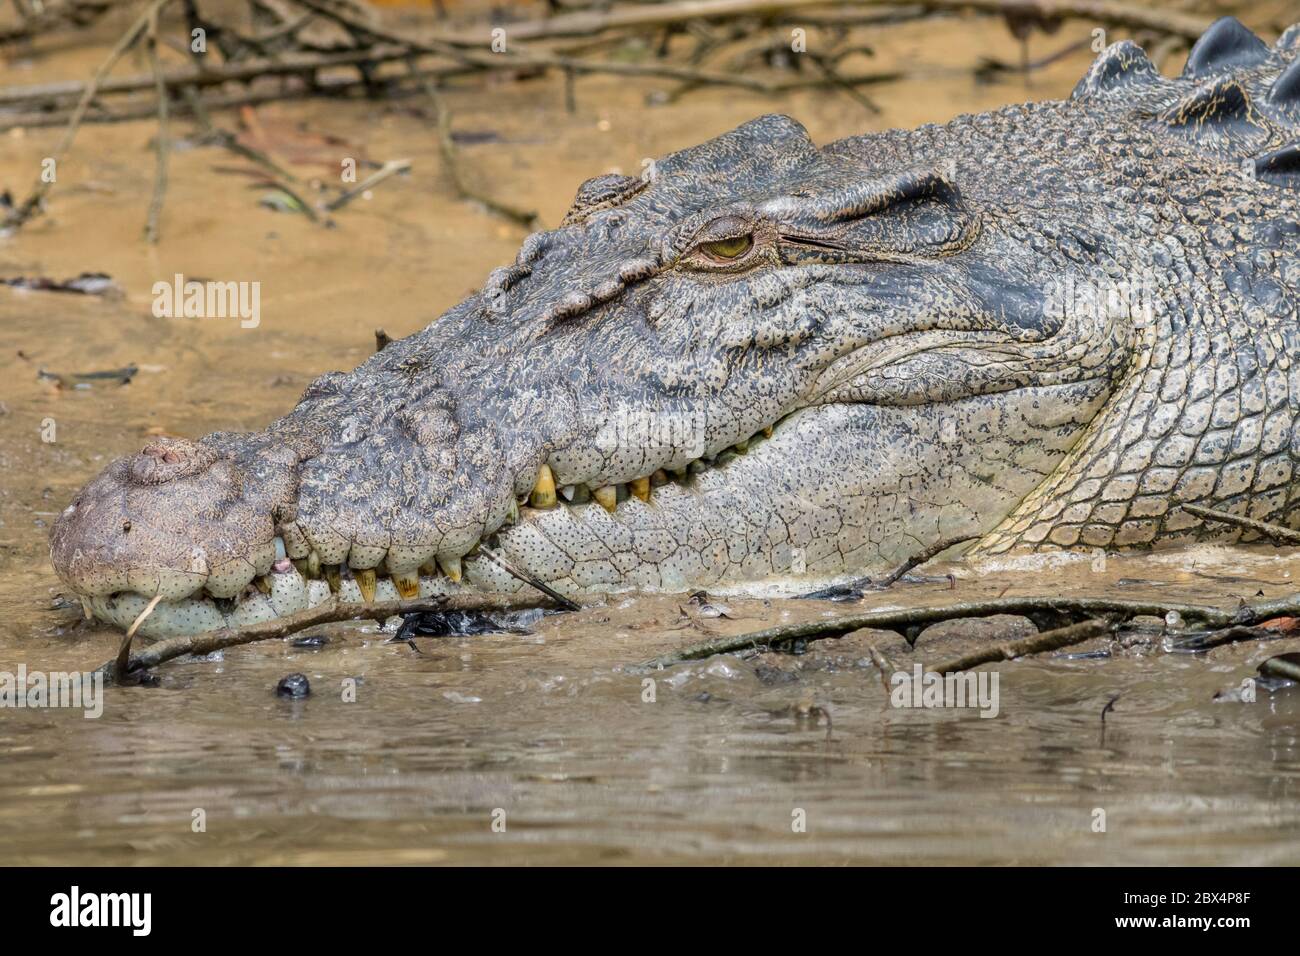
(475, 137)
(1110, 705)
(461, 624)
(1101, 655)
(88, 283)
(311, 641)
(771, 676)
(293, 685)
(84, 380)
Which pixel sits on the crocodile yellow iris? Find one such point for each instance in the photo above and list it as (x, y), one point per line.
(729, 248)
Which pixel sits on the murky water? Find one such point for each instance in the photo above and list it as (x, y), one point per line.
(550, 732)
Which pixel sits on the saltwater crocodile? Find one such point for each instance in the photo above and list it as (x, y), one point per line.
(1049, 326)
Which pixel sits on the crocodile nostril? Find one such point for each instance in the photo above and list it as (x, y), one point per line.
(168, 459)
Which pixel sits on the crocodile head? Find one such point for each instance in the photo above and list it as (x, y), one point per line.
(763, 360)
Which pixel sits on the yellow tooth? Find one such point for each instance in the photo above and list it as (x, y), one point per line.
(450, 567)
(543, 495)
(263, 583)
(607, 495)
(85, 609)
(408, 585)
(742, 447)
(512, 516)
(367, 582)
(313, 566)
(640, 487)
(333, 576)
(767, 432)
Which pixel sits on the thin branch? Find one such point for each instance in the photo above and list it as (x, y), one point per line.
(331, 611)
(1053, 611)
(447, 145)
(1269, 530)
(162, 140)
(390, 168)
(856, 587)
(1052, 640)
(29, 206)
(527, 578)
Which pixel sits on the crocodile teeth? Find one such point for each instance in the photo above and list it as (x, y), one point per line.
(263, 584)
(430, 568)
(450, 567)
(640, 487)
(333, 575)
(607, 495)
(367, 582)
(742, 447)
(767, 432)
(543, 495)
(408, 585)
(660, 477)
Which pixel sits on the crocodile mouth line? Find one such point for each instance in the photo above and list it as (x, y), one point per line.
(286, 575)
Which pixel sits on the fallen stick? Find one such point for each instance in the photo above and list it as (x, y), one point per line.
(1275, 531)
(330, 612)
(390, 168)
(1278, 667)
(586, 23)
(855, 587)
(1045, 612)
(1051, 640)
(162, 142)
(447, 146)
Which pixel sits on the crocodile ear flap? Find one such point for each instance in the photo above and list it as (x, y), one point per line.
(865, 197)
(1218, 113)
(1280, 167)
(1226, 45)
(1285, 91)
(1120, 66)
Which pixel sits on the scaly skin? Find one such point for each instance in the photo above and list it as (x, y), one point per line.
(1048, 325)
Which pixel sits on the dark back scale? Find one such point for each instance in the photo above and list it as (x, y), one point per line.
(1209, 413)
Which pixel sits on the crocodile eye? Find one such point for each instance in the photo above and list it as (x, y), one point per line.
(728, 248)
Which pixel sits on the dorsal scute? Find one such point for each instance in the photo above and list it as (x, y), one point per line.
(1219, 114)
(1285, 91)
(1120, 66)
(1281, 167)
(1226, 45)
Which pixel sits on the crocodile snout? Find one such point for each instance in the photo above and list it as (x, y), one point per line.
(174, 518)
